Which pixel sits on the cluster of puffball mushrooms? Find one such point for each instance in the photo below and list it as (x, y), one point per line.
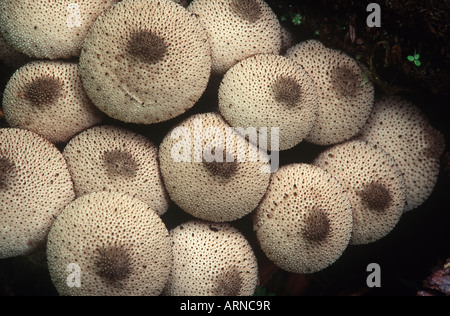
(97, 203)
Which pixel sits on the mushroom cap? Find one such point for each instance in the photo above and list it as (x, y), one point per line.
(49, 29)
(9, 56)
(48, 98)
(211, 259)
(139, 66)
(401, 129)
(304, 222)
(374, 184)
(210, 171)
(270, 91)
(346, 98)
(35, 186)
(237, 29)
(110, 158)
(121, 246)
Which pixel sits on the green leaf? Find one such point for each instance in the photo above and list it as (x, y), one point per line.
(418, 63)
(411, 58)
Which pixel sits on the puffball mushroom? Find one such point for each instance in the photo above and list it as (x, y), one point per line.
(49, 29)
(401, 129)
(304, 223)
(114, 159)
(345, 98)
(35, 186)
(48, 98)
(211, 259)
(9, 56)
(237, 29)
(145, 61)
(374, 184)
(210, 171)
(119, 244)
(270, 91)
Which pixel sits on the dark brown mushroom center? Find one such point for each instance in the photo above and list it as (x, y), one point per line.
(345, 81)
(229, 283)
(248, 10)
(435, 143)
(224, 167)
(119, 163)
(317, 226)
(287, 91)
(43, 91)
(7, 170)
(375, 196)
(147, 47)
(113, 263)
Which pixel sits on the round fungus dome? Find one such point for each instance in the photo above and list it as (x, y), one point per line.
(49, 29)
(118, 244)
(145, 61)
(210, 171)
(10, 56)
(211, 259)
(374, 184)
(48, 98)
(402, 130)
(270, 91)
(346, 98)
(304, 222)
(237, 29)
(114, 159)
(35, 186)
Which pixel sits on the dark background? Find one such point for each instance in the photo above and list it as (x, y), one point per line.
(421, 241)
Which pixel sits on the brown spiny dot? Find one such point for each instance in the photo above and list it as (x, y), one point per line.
(249, 10)
(229, 283)
(287, 91)
(317, 225)
(147, 47)
(345, 81)
(376, 196)
(7, 169)
(435, 143)
(43, 91)
(224, 168)
(113, 264)
(120, 163)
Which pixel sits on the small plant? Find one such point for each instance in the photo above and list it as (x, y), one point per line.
(415, 59)
(297, 19)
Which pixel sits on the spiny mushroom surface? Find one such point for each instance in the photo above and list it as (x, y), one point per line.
(35, 186)
(48, 98)
(10, 56)
(287, 39)
(211, 259)
(210, 171)
(346, 98)
(270, 91)
(49, 29)
(374, 184)
(145, 61)
(237, 29)
(114, 159)
(120, 245)
(304, 222)
(401, 129)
